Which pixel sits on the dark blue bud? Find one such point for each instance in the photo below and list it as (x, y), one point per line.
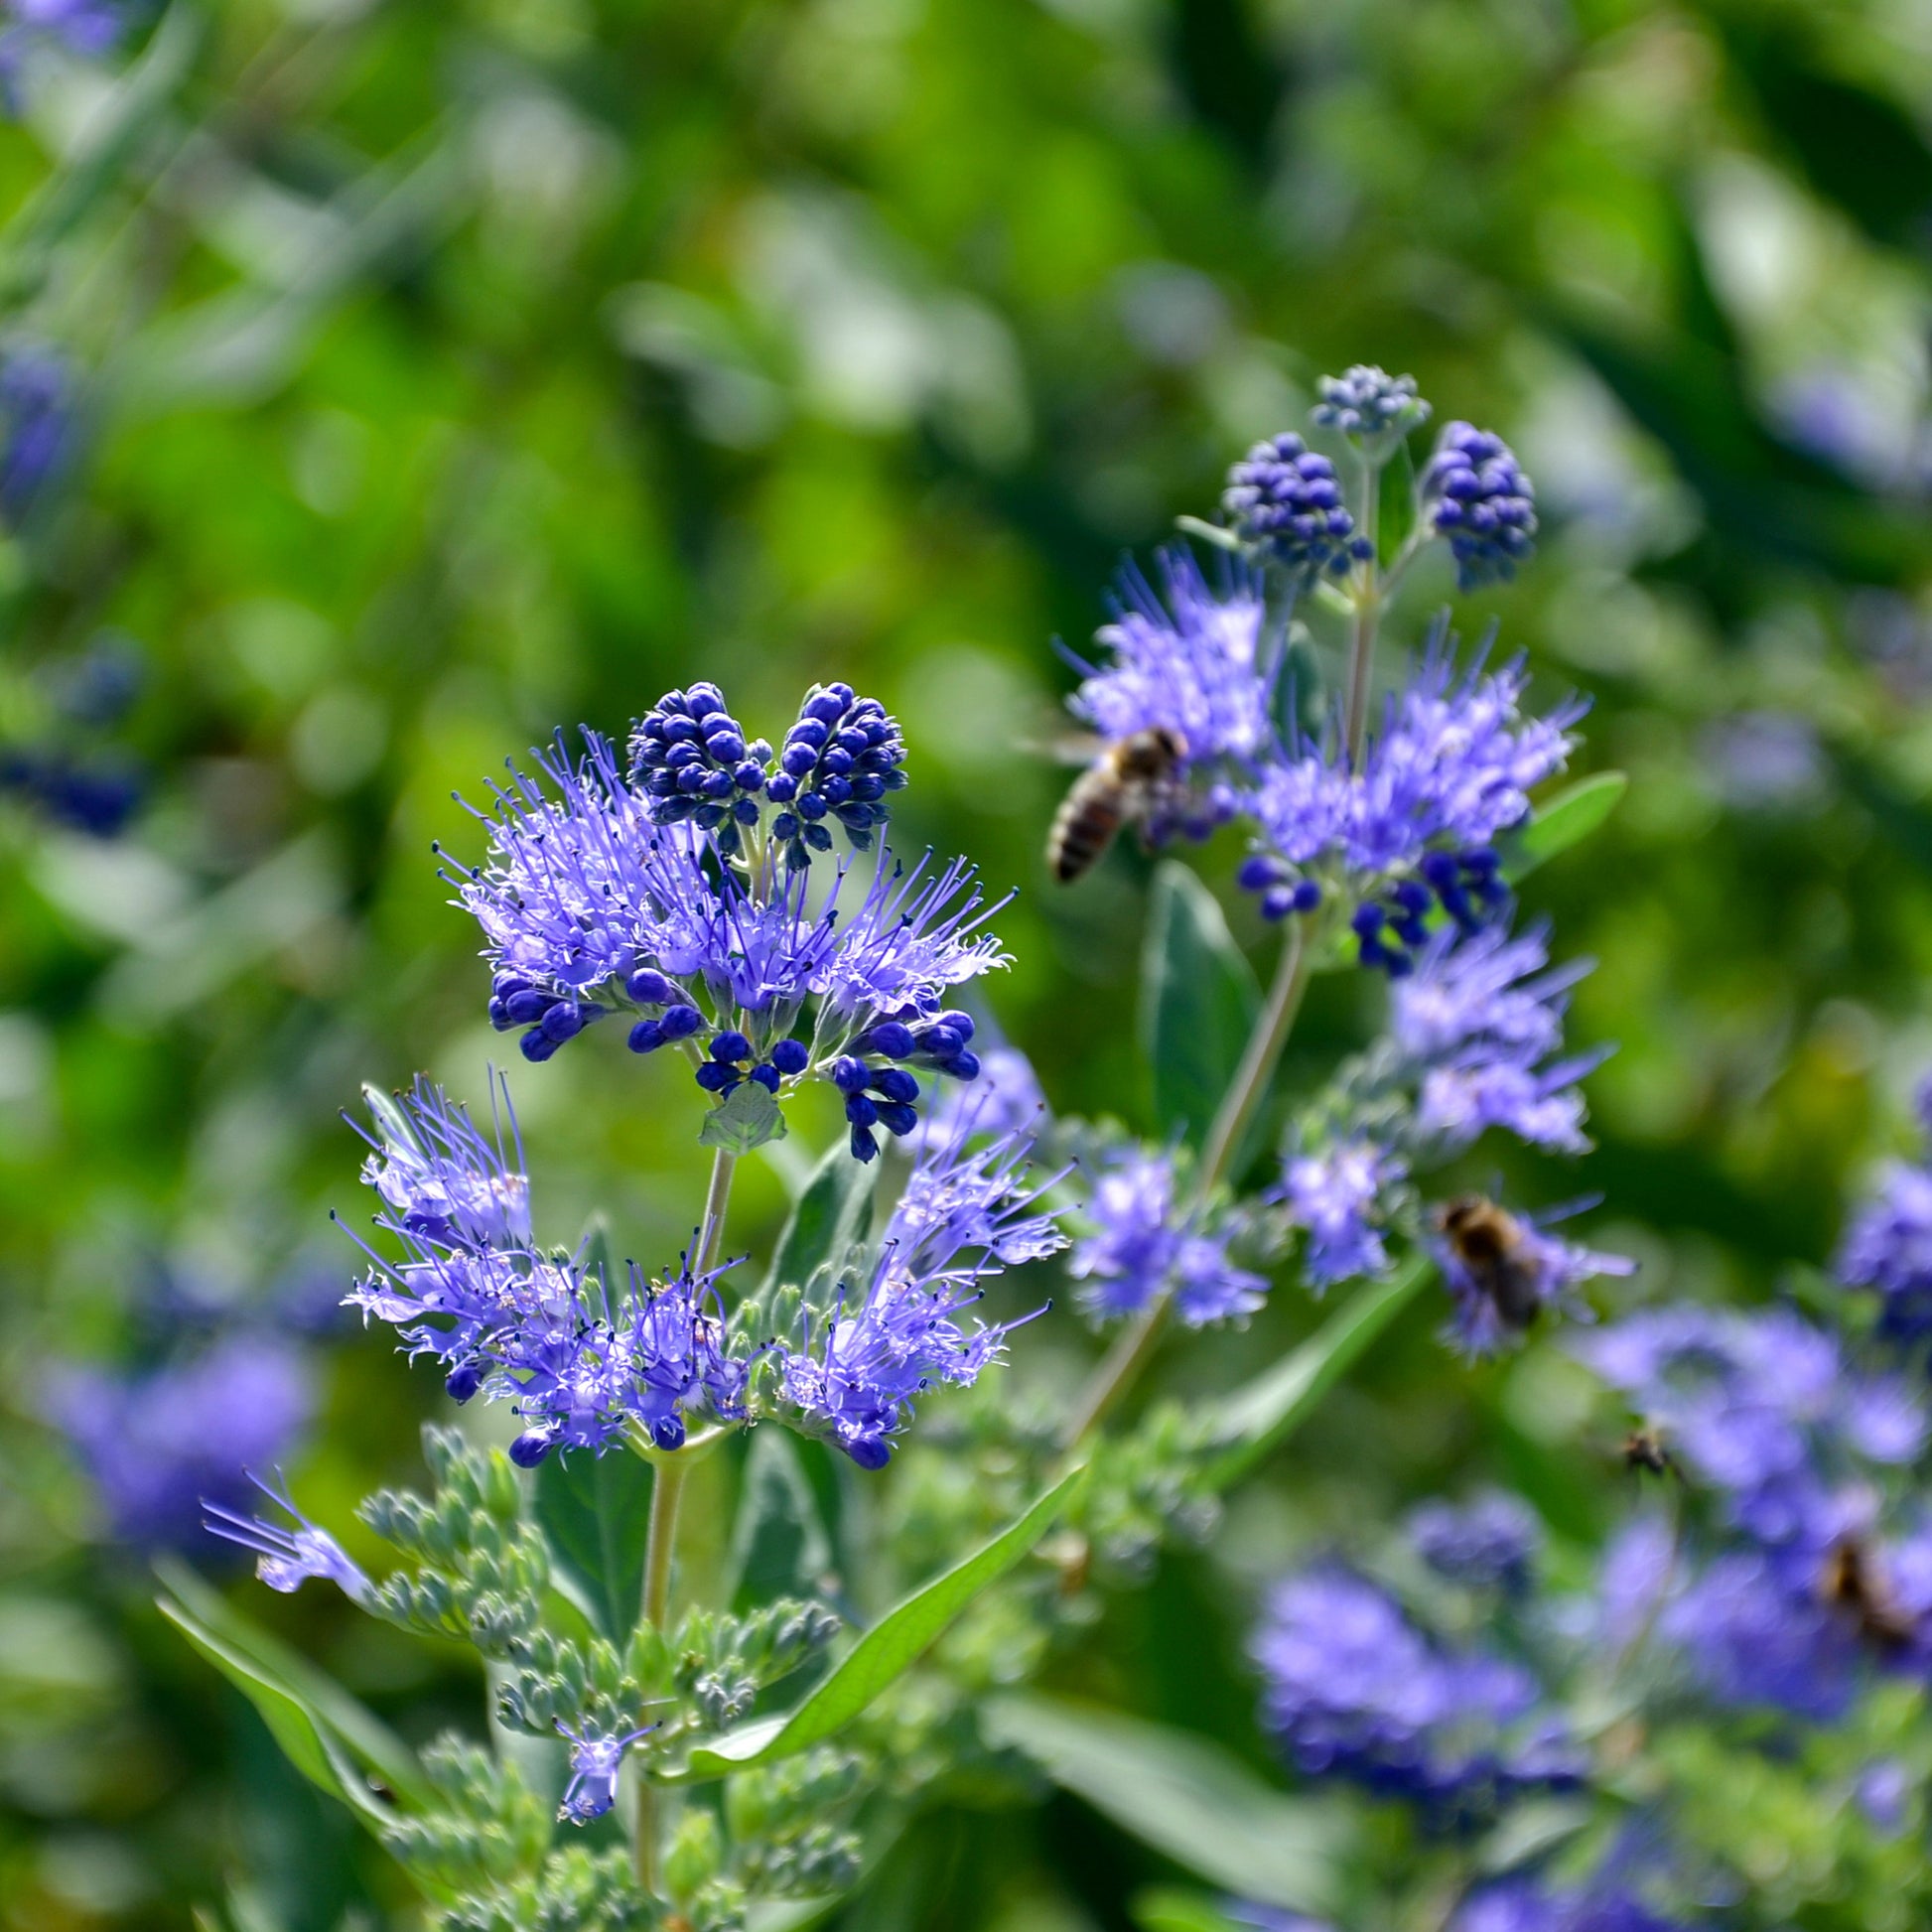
(703, 699)
(680, 1022)
(818, 837)
(1439, 869)
(891, 1038)
(745, 811)
(811, 807)
(1307, 895)
(834, 791)
(718, 784)
(646, 1037)
(792, 1056)
(667, 1432)
(962, 1066)
(464, 1382)
(767, 1075)
(505, 984)
(1412, 896)
(499, 1019)
(896, 1118)
(1259, 872)
(865, 1147)
(564, 1020)
(1278, 901)
(531, 1448)
(680, 732)
(717, 1077)
(781, 789)
(896, 1084)
(798, 759)
(651, 988)
(1482, 859)
(827, 707)
(750, 775)
(731, 1047)
(725, 745)
(785, 826)
(860, 1109)
(536, 1045)
(869, 1451)
(838, 761)
(1412, 932)
(960, 1023)
(522, 1009)
(943, 1043)
(1367, 920)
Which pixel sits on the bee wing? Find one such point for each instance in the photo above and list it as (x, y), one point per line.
(1067, 747)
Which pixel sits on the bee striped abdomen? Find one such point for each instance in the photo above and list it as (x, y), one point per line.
(1086, 824)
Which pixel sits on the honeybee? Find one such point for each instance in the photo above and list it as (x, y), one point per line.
(1644, 1449)
(1851, 1582)
(1125, 784)
(1490, 1243)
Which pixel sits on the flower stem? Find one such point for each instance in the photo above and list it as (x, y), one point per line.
(1120, 1367)
(717, 1202)
(1367, 597)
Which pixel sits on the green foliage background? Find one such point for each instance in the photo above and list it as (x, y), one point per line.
(463, 369)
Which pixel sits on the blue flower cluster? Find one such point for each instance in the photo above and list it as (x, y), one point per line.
(1355, 1690)
(1368, 405)
(1413, 829)
(1146, 1244)
(1474, 493)
(1283, 501)
(1888, 1246)
(589, 902)
(158, 1442)
(1474, 1043)
(1489, 1544)
(583, 1365)
(1812, 1570)
(839, 761)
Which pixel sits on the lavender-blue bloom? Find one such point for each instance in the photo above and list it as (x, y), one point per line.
(37, 409)
(1450, 768)
(1491, 1543)
(285, 1558)
(1476, 494)
(1355, 1691)
(90, 28)
(967, 1212)
(1888, 1246)
(1340, 1195)
(1006, 1098)
(595, 1760)
(156, 1444)
(1145, 1245)
(1285, 500)
(1533, 1905)
(1191, 662)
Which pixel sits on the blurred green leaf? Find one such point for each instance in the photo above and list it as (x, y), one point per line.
(1905, 820)
(1198, 1001)
(365, 1735)
(594, 1513)
(1561, 822)
(833, 1214)
(1185, 1796)
(778, 1544)
(747, 1116)
(890, 1648)
(1166, 1909)
(1265, 1412)
(1395, 505)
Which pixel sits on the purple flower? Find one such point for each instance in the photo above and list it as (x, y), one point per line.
(1888, 1247)
(966, 1213)
(37, 409)
(1355, 1691)
(1284, 499)
(1143, 1245)
(1474, 493)
(286, 1559)
(1340, 1195)
(1194, 664)
(156, 1444)
(1489, 1544)
(595, 1761)
(907, 940)
(1488, 992)
(1533, 1905)
(516, 1322)
(1503, 1270)
(1005, 1099)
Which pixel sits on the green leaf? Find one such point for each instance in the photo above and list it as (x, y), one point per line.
(1198, 1001)
(1264, 1411)
(308, 1742)
(1572, 814)
(1186, 1797)
(594, 1513)
(1166, 1909)
(366, 1736)
(747, 1116)
(778, 1544)
(1395, 505)
(890, 1648)
(833, 1214)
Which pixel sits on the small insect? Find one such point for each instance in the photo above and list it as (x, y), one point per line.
(1489, 1242)
(1128, 784)
(1851, 1582)
(1645, 1449)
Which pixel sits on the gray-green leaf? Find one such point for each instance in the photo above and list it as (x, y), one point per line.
(747, 1116)
(890, 1648)
(833, 1214)
(594, 1513)
(1572, 815)
(1186, 1797)
(1198, 1001)
(778, 1544)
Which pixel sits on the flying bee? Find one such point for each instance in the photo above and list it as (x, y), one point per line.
(1851, 1581)
(1128, 783)
(1492, 1246)
(1645, 1449)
